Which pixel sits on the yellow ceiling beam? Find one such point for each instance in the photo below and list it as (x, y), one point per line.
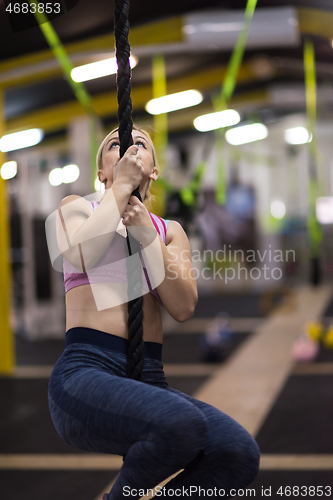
(26, 78)
(312, 21)
(179, 120)
(316, 22)
(35, 66)
(209, 78)
(58, 116)
(165, 31)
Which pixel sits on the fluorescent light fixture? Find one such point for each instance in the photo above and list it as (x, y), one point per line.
(324, 209)
(65, 175)
(19, 140)
(213, 121)
(173, 102)
(297, 135)
(293, 21)
(55, 177)
(190, 29)
(70, 173)
(246, 133)
(220, 27)
(8, 170)
(278, 209)
(98, 69)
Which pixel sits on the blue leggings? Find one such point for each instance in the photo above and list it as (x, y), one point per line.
(158, 430)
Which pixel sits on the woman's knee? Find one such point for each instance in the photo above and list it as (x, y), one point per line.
(245, 458)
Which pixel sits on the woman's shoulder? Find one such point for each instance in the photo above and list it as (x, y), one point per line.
(78, 202)
(171, 229)
(69, 199)
(175, 232)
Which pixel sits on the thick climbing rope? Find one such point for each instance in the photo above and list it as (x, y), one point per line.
(134, 269)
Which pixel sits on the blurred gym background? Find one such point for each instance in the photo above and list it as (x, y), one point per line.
(252, 185)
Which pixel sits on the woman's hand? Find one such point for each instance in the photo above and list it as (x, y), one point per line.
(138, 222)
(129, 169)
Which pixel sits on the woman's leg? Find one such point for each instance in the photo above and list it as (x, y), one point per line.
(230, 458)
(160, 432)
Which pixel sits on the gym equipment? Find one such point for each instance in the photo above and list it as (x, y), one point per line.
(218, 339)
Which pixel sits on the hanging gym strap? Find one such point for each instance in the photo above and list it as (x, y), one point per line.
(238, 53)
(227, 91)
(314, 229)
(78, 88)
(134, 269)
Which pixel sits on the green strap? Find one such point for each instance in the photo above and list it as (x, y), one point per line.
(60, 54)
(311, 92)
(228, 88)
(78, 88)
(314, 229)
(161, 120)
(188, 192)
(221, 186)
(238, 53)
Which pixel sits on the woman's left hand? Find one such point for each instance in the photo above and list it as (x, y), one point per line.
(137, 220)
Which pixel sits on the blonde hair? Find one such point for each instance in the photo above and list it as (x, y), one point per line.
(99, 158)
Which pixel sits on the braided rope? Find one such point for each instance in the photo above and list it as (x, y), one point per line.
(134, 269)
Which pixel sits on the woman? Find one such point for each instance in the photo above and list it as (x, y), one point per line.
(94, 406)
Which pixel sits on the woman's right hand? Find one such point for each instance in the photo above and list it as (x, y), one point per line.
(129, 169)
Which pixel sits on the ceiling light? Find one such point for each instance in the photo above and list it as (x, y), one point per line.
(212, 27)
(173, 102)
(293, 21)
(188, 29)
(55, 177)
(246, 134)
(19, 140)
(98, 69)
(8, 170)
(213, 121)
(67, 174)
(220, 27)
(324, 209)
(297, 135)
(70, 173)
(278, 209)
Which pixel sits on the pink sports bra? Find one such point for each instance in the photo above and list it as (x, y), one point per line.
(115, 272)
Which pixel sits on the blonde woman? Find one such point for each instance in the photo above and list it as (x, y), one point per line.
(94, 406)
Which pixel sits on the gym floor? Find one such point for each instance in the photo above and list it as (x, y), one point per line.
(286, 406)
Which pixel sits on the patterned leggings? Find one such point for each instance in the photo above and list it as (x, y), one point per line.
(158, 430)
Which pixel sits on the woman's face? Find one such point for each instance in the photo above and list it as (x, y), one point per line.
(110, 156)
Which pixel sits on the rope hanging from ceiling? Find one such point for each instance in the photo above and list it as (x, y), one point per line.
(134, 270)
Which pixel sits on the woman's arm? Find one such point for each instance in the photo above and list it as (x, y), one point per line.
(178, 291)
(83, 235)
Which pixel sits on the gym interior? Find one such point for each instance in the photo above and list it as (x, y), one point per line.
(245, 166)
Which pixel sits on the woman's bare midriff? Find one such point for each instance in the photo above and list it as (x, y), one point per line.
(81, 310)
